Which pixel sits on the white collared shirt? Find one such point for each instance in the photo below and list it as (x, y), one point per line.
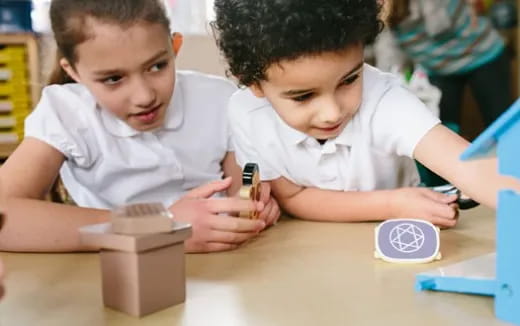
(108, 163)
(374, 151)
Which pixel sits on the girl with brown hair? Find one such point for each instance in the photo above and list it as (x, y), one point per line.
(120, 125)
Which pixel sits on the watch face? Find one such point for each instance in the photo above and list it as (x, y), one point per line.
(407, 240)
(447, 189)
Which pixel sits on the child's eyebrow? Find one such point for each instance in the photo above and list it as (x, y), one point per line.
(354, 70)
(296, 92)
(117, 71)
(155, 57)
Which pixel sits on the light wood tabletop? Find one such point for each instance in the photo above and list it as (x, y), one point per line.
(295, 273)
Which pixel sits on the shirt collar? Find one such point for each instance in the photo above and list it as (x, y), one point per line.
(345, 137)
(296, 137)
(173, 119)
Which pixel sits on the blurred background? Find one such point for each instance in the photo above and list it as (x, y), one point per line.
(27, 54)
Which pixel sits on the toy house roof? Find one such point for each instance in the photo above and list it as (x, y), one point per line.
(485, 144)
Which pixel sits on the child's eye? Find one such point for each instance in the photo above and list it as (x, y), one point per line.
(303, 97)
(111, 80)
(350, 80)
(159, 66)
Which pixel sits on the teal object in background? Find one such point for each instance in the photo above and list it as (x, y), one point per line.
(15, 15)
(502, 277)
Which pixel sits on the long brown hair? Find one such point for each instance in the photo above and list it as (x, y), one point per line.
(70, 27)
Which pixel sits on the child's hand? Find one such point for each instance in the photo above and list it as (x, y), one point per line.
(424, 204)
(210, 230)
(1, 279)
(271, 211)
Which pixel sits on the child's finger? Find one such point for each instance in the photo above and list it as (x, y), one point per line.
(265, 192)
(231, 237)
(270, 213)
(455, 208)
(274, 215)
(440, 210)
(219, 246)
(233, 224)
(440, 197)
(443, 222)
(264, 214)
(210, 189)
(233, 204)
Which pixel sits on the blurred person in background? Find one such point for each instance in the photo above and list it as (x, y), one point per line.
(456, 47)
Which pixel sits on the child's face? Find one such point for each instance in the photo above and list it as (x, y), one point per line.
(129, 71)
(317, 95)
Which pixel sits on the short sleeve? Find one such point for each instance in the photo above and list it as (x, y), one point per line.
(400, 121)
(242, 125)
(58, 121)
(230, 144)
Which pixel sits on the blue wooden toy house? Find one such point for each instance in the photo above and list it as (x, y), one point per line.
(497, 274)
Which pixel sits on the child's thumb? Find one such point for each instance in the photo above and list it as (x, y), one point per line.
(209, 189)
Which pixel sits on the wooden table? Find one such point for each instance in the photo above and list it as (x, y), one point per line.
(296, 273)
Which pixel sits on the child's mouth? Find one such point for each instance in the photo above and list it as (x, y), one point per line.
(330, 129)
(148, 116)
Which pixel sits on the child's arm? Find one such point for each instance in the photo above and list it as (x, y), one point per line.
(33, 224)
(232, 169)
(357, 206)
(440, 151)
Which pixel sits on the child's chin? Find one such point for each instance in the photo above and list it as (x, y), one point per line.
(147, 127)
(326, 135)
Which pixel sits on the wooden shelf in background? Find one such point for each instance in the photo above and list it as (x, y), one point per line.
(33, 66)
(33, 61)
(7, 149)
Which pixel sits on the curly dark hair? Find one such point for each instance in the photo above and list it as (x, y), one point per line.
(253, 34)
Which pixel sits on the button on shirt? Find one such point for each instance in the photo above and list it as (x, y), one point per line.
(374, 151)
(108, 163)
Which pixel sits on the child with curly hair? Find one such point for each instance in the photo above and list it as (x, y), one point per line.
(336, 137)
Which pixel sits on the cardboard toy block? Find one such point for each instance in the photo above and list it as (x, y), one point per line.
(407, 241)
(141, 273)
(250, 187)
(141, 219)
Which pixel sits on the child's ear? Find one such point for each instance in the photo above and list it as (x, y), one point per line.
(65, 65)
(256, 88)
(177, 39)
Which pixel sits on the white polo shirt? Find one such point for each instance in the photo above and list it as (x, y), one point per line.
(108, 163)
(374, 151)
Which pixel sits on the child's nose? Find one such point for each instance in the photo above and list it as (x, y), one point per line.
(331, 112)
(143, 95)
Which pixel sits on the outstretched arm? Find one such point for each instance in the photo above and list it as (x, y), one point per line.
(358, 206)
(440, 151)
(33, 224)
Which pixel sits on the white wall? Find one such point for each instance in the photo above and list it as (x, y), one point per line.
(199, 52)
